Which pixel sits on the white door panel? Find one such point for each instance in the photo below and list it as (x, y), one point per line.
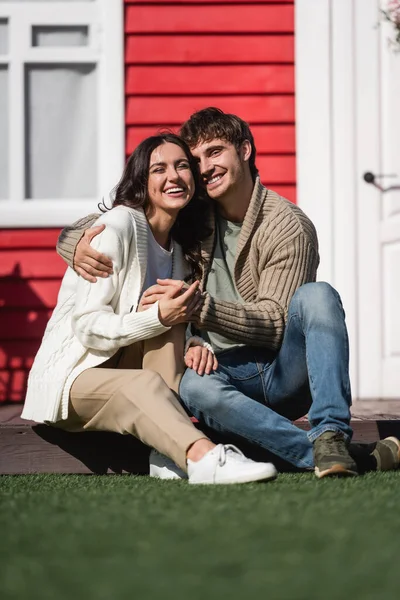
(389, 224)
(353, 85)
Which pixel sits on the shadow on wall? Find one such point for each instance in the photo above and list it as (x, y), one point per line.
(23, 318)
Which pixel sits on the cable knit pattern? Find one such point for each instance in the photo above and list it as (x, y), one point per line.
(277, 252)
(93, 320)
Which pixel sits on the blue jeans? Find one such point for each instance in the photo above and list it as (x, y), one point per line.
(256, 395)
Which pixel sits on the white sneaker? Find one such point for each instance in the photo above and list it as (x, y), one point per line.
(227, 464)
(163, 467)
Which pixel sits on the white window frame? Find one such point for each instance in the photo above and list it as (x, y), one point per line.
(105, 21)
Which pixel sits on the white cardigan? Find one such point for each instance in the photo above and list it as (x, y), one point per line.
(93, 320)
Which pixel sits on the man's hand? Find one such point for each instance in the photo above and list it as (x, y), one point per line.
(89, 263)
(171, 286)
(175, 307)
(154, 294)
(201, 360)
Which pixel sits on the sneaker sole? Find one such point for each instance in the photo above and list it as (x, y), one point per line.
(335, 471)
(243, 479)
(157, 474)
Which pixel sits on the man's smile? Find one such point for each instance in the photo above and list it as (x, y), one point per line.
(212, 181)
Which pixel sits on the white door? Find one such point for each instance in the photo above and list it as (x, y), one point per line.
(378, 210)
(347, 124)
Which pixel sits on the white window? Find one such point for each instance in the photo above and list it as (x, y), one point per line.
(61, 108)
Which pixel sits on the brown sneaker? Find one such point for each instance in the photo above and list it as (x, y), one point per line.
(387, 454)
(331, 456)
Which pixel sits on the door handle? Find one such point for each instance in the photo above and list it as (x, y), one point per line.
(369, 177)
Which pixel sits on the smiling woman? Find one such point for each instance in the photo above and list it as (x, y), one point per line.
(107, 361)
(159, 165)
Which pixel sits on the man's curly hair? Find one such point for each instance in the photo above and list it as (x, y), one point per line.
(211, 123)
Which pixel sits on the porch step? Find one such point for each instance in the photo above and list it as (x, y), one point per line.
(31, 448)
(44, 449)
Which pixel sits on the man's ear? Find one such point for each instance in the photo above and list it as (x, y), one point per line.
(245, 150)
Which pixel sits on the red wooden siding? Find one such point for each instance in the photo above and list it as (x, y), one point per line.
(183, 55)
(30, 273)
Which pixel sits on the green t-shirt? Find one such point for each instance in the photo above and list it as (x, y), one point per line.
(220, 282)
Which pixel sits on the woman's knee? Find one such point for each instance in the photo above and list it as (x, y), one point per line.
(145, 382)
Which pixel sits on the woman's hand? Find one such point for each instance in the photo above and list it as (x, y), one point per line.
(201, 360)
(89, 263)
(174, 289)
(154, 293)
(175, 307)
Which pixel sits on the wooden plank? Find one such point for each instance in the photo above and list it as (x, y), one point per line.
(212, 79)
(31, 263)
(158, 111)
(15, 379)
(367, 431)
(22, 293)
(277, 169)
(246, 18)
(195, 49)
(268, 138)
(13, 385)
(44, 449)
(287, 191)
(22, 324)
(18, 354)
(28, 238)
(274, 138)
(11, 414)
(136, 134)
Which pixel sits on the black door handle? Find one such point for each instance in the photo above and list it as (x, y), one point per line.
(369, 177)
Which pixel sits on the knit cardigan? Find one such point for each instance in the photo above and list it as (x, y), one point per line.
(93, 320)
(277, 252)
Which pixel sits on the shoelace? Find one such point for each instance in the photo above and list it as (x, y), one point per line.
(224, 449)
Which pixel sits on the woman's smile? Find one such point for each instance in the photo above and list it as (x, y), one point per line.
(170, 178)
(175, 192)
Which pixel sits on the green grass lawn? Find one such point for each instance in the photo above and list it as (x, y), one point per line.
(117, 537)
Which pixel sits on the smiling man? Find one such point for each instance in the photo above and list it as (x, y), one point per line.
(280, 337)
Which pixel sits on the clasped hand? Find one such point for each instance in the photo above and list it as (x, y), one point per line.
(176, 301)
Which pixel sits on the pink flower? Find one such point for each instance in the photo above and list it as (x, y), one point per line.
(393, 8)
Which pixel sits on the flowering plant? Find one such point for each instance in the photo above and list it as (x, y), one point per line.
(392, 14)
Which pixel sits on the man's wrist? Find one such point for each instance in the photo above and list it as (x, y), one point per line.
(195, 317)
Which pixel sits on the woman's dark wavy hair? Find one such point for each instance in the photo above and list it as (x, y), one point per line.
(189, 229)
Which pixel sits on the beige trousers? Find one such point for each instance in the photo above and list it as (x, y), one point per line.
(135, 392)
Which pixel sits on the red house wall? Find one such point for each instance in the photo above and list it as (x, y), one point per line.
(239, 56)
(180, 56)
(30, 273)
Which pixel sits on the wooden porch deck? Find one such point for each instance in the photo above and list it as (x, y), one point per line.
(30, 448)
